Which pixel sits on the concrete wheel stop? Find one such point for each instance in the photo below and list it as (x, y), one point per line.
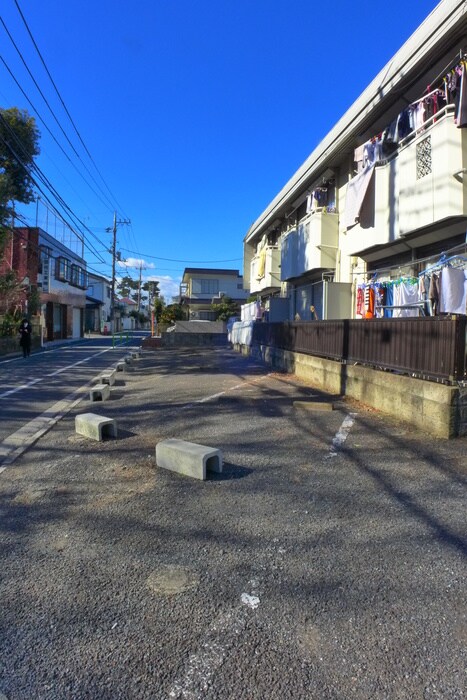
(188, 458)
(100, 392)
(95, 427)
(314, 405)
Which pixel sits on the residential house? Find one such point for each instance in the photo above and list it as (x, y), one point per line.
(382, 196)
(98, 303)
(126, 305)
(62, 282)
(201, 287)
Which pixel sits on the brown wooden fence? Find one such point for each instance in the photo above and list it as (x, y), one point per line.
(432, 347)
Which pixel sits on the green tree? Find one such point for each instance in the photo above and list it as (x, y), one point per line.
(158, 306)
(173, 312)
(226, 309)
(126, 286)
(19, 145)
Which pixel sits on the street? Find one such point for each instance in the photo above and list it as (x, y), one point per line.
(328, 560)
(31, 387)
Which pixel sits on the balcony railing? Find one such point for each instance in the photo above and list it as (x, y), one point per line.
(265, 270)
(311, 245)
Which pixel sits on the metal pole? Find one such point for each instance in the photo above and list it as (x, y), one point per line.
(112, 291)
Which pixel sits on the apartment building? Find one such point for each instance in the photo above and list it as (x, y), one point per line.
(384, 195)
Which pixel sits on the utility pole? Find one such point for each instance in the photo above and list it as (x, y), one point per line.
(139, 286)
(113, 251)
(112, 289)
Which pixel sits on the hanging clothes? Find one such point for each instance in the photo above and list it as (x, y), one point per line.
(452, 291)
(360, 308)
(369, 302)
(356, 191)
(389, 299)
(462, 107)
(433, 293)
(380, 299)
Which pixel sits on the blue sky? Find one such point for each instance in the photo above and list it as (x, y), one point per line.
(193, 114)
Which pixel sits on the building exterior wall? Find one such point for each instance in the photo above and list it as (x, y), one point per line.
(35, 255)
(202, 287)
(416, 199)
(21, 254)
(98, 314)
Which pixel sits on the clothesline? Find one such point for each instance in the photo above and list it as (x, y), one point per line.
(412, 263)
(457, 261)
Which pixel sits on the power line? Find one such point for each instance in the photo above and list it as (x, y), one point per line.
(47, 183)
(36, 111)
(190, 262)
(38, 249)
(64, 105)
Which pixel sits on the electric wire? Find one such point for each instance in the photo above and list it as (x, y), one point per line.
(37, 247)
(64, 106)
(38, 114)
(43, 179)
(190, 262)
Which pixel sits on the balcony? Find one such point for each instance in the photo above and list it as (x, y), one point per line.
(312, 245)
(432, 176)
(265, 270)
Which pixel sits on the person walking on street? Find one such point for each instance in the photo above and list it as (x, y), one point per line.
(25, 330)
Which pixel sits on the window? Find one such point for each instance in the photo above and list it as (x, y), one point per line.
(44, 265)
(91, 290)
(200, 286)
(78, 277)
(74, 275)
(424, 158)
(63, 270)
(239, 286)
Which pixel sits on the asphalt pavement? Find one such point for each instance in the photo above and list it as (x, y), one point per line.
(328, 560)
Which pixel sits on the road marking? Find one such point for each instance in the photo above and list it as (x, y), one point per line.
(15, 444)
(341, 436)
(220, 637)
(19, 388)
(18, 442)
(9, 392)
(222, 393)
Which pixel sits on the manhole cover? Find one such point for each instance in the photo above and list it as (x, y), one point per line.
(172, 580)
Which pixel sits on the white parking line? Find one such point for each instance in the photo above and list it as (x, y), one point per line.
(341, 436)
(220, 637)
(222, 393)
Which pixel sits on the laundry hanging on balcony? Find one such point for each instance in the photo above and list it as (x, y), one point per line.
(317, 199)
(356, 191)
(444, 285)
(261, 253)
(389, 299)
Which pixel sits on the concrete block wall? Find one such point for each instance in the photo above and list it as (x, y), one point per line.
(437, 409)
(193, 339)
